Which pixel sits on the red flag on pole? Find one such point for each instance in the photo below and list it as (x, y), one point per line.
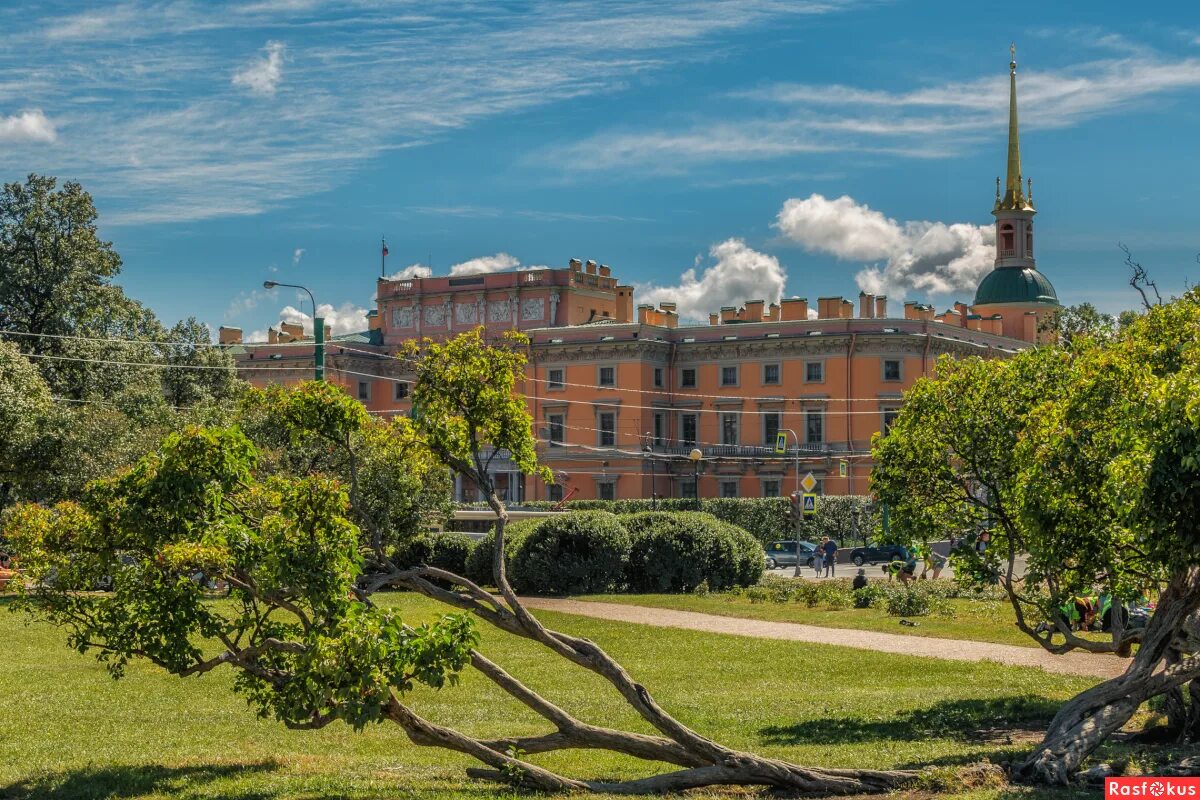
(385, 250)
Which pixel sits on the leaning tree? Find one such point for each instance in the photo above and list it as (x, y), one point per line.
(305, 555)
(1084, 462)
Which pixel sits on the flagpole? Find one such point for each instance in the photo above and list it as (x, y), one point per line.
(382, 256)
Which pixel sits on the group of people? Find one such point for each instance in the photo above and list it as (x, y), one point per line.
(824, 557)
(905, 570)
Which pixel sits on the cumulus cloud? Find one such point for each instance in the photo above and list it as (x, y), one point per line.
(411, 271)
(262, 75)
(931, 257)
(478, 266)
(346, 318)
(297, 254)
(28, 126)
(740, 273)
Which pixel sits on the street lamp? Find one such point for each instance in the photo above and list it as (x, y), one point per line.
(318, 327)
(648, 451)
(696, 457)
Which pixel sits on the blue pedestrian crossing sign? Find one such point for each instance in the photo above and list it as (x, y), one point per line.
(781, 442)
(808, 504)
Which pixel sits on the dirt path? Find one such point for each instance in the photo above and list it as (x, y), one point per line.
(1098, 666)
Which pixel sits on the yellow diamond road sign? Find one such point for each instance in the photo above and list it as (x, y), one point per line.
(808, 482)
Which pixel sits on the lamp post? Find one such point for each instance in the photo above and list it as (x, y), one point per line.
(797, 438)
(648, 454)
(696, 457)
(318, 328)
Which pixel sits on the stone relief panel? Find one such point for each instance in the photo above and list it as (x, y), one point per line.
(499, 311)
(533, 308)
(465, 313)
(402, 317)
(435, 315)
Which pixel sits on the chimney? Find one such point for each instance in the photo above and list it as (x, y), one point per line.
(773, 312)
(829, 307)
(951, 317)
(374, 321)
(994, 324)
(910, 310)
(645, 314)
(605, 271)
(847, 310)
(714, 319)
(1029, 326)
(728, 314)
(792, 309)
(670, 319)
(881, 306)
(590, 267)
(925, 312)
(576, 265)
(866, 305)
(667, 306)
(272, 336)
(291, 331)
(624, 304)
(963, 310)
(229, 335)
(754, 310)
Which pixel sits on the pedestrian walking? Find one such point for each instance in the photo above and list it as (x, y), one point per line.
(818, 558)
(831, 549)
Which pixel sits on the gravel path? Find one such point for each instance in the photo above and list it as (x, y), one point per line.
(1087, 664)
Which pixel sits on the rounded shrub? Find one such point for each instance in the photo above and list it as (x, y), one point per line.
(479, 562)
(448, 551)
(678, 551)
(578, 553)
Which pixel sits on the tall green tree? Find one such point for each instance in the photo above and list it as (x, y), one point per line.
(1086, 464)
(24, 404)
(197, 372)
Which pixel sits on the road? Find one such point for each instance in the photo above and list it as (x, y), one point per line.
(845, 569)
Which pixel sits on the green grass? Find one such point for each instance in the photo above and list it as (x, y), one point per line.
(69, 731)
(975, 620)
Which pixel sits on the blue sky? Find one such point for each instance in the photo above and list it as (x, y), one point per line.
(709, 152)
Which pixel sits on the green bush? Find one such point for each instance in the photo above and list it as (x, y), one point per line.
(478, 567)
(448, 551)
(678, 551)
(579, 553)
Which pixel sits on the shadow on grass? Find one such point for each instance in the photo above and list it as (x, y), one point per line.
(994, 720)
(136, 780)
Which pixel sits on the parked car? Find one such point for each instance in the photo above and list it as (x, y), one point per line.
(877, 554)
(783, 554)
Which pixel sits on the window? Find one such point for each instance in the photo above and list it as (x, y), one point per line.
(555, 492)
(608, 428)
(770, 488)
(889, 417)
(608, 376)
(770, 428)
(658, 377)
(688, 489)
(814, 372)
(1029, 241)
(401, 390)
(729, 376)
(891, 369)
(557, 429)
(770, 374)
(814, 427)
(729, 488)
(660, 428)
(729, 428)
(687, 429)
(554, 377)
(687, 377)
(607, 490)
(1006, 237)
(364, 391)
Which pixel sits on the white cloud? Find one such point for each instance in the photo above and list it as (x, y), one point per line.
(297, 254)
(263, 75)
(411, 271)
(478, 266)
(259, 335)
(244, 303)
(929, 257)
(346, 318)
(28, 126)
(739, 274)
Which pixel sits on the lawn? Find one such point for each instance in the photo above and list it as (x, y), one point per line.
(69, 731)
(978, 620)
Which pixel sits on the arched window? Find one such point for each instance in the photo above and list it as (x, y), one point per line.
(1029, 241)
(1006, 237)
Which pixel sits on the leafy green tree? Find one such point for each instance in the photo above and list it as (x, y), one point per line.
(305, 553)
(198, 371)
(24, 403)
(1087, 464)
(1078, 325)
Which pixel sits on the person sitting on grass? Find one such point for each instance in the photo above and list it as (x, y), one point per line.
(860, 580)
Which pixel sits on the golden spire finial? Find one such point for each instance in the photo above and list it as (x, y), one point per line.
(1014, 197)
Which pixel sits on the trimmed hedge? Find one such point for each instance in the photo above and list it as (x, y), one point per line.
(448, 551)
(678, 551)
(581, 553)
(479, 562)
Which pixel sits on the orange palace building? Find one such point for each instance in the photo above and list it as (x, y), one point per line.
(621, 396)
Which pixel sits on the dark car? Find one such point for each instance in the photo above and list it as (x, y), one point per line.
(783, 554)
(877, 554)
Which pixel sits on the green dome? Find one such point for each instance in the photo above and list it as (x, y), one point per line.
(1013, 285)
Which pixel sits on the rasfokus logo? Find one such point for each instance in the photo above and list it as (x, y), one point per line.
(1151, 787)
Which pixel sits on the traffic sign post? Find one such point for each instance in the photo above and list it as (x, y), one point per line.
(843, 468)
(808, 504)
(809, 482)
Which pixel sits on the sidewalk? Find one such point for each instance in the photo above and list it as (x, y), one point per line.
(1085, 664)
